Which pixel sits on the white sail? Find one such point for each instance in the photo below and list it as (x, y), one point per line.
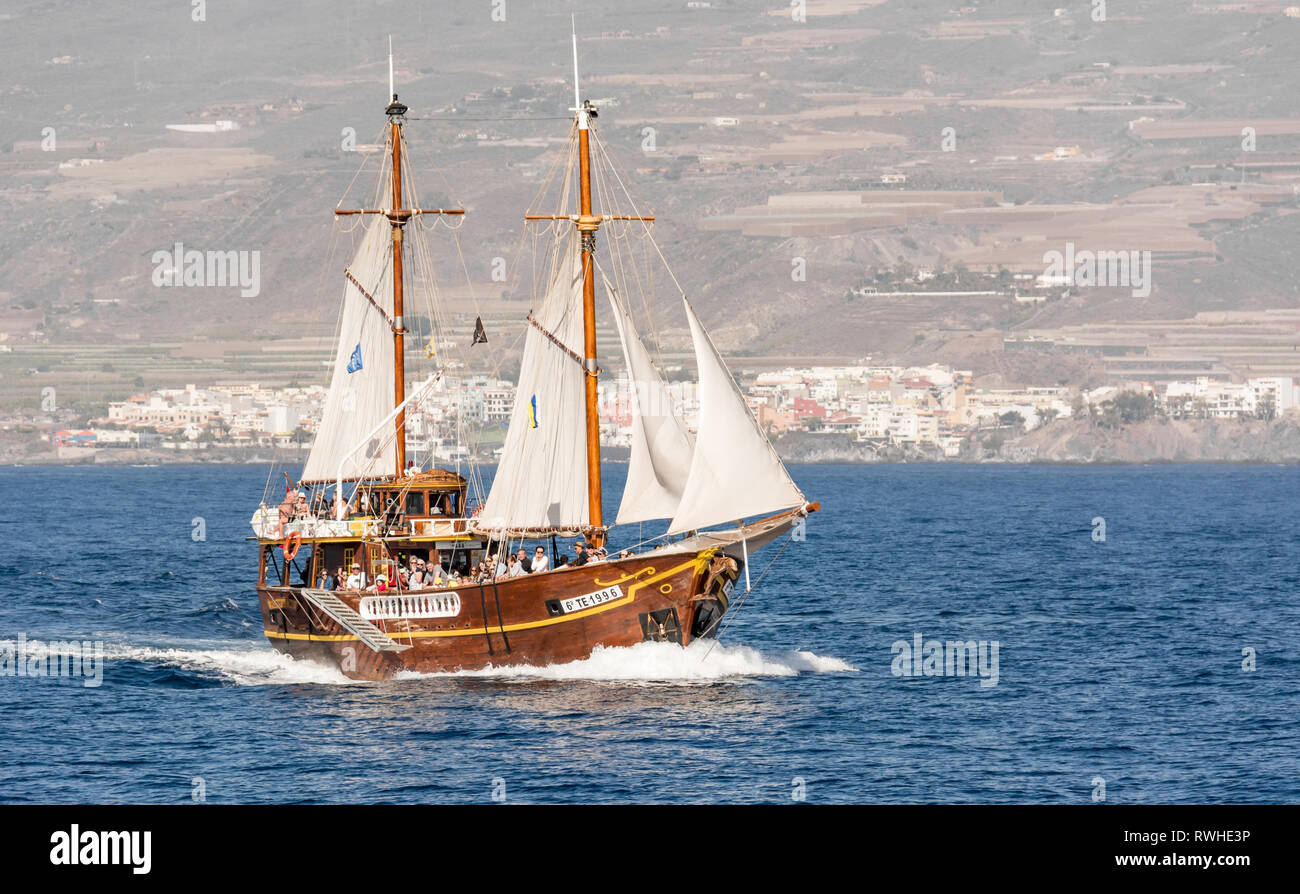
(660, 460)
(735, 471)
(359, 399)
(541, 482)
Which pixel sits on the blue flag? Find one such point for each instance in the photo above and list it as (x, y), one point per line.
(355, 363)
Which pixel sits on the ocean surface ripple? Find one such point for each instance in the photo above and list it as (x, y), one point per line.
(1121, 660)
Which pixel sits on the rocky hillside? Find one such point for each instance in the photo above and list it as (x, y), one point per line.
(1161, 440)
(1084, 441)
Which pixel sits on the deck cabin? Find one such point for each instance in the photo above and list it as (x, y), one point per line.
(389, 521)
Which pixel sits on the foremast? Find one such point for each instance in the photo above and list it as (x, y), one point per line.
(397, 217)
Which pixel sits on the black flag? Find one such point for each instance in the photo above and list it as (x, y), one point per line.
(480, 334)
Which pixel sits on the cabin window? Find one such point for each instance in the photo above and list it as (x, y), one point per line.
(441, 503)
(415, 502)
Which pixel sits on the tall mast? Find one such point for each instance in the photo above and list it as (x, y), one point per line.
(397, 218)
(587, 226)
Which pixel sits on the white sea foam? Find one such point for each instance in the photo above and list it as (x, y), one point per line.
(667, 662)
(248, 665)
(240, 664)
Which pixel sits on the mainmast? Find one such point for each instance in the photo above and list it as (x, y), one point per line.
(397, 218)
(587, 224)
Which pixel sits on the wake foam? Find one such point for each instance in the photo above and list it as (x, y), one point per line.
(248, 665)
(666, 663)
(241, 665)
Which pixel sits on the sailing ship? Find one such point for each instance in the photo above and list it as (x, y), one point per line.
(362, 506)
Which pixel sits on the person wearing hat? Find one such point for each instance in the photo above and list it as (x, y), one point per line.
(357, 579)
(581, 557)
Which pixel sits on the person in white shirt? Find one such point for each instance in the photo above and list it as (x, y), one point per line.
(357, 579)
(540, 561)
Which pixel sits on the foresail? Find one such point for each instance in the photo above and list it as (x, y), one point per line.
(541, 481)
(735, 471)
(361, 389)
(660, 461)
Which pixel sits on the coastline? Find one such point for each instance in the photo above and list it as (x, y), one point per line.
(1083, 442)
(1159, 441)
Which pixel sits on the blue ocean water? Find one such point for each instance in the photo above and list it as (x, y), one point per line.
(1120, 662)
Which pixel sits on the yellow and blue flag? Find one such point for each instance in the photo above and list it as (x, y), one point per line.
(532, 412)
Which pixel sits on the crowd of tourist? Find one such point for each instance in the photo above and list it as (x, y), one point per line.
(416, 573)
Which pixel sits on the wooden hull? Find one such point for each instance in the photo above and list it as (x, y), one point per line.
(672, 597)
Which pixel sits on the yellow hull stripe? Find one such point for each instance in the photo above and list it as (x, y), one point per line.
(698, 563)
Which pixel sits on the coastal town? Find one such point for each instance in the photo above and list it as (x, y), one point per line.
(942, 412)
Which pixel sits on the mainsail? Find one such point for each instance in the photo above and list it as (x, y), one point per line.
(735, 471)
(660, 460)
(541, 481)
(361, 390)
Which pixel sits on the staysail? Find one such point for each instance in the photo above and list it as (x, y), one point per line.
(660, 460)
(361, 389)
(541, 481)
(735, 471)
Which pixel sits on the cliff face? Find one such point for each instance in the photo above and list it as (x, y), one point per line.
(1083, 441)
(1160, 440)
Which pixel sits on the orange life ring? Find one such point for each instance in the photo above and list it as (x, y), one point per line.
(295, 539)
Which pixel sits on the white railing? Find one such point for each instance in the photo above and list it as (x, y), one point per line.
(266, 525)
(439, 527)
(411, 605)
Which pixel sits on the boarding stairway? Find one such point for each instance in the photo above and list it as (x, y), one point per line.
(349, 620)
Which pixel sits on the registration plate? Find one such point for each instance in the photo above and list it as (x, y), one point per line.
(590, 600)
